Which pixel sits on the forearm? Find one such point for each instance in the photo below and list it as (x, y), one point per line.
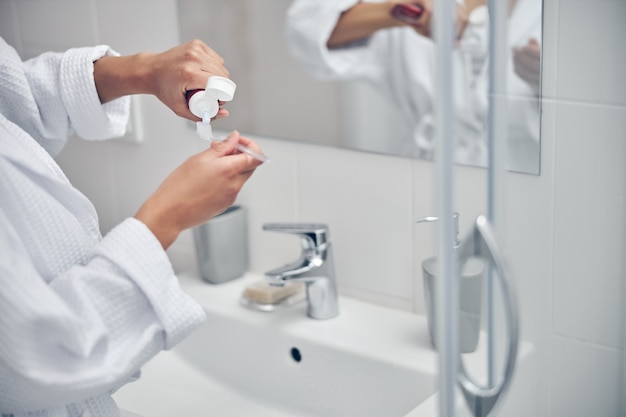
(202, 187)
(154, 216)
(118, 76)
(361, 21)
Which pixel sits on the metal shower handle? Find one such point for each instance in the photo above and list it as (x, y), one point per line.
(432, 219)
(482, 243)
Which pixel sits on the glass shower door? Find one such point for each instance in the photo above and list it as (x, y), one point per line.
(562, 233)
(481, 242)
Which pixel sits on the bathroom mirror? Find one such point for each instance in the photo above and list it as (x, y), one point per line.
(285, 89)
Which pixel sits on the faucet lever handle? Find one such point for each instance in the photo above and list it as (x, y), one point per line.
(314, 233)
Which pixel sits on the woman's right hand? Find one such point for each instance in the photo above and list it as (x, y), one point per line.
(167, 75)
(424, 24)
(527, 64)
(199, 189)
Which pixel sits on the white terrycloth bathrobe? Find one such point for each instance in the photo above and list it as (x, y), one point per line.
(79, 313)
(401, 64)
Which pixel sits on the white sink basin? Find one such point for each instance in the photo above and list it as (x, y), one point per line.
(370, 361)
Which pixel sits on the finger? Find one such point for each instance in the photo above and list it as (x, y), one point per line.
(181, 108)
(226, 146)
(205, 52)
(525, 55)
(424, 23)
(427, 5)
(199, 76)
(205, 67)
(249, 143)
(528, 60)
(221, 113)
(200, 45)
(214, 55)
(529, 74)
(532, 51)
(242, 163)
(251, 146)
(183, 111)
(524, 74)
(213, 68)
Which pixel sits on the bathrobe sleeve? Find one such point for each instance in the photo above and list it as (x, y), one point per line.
(79, 313)
(53, 96)
(397, 61)
(310, 24)
(89, 329)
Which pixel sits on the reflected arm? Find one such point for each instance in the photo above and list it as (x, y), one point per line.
(361, 21)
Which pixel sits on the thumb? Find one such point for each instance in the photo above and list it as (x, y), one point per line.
(228, 145)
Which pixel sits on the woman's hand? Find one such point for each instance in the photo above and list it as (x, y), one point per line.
(422, 25)
(185, 67)
(199, 189)
(366, 18)
(527, 64)
(167, 75)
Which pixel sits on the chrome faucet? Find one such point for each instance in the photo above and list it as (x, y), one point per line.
(315, 268)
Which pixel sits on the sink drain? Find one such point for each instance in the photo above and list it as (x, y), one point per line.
(295, 354)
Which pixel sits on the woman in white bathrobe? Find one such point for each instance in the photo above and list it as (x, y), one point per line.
(81, 313)
(398, 58)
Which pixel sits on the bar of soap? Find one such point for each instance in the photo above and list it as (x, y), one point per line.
(263, 293)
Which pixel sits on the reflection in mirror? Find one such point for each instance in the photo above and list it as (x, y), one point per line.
(359, 75)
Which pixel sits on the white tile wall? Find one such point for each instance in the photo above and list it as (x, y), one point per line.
(369, 215)
(589, 283)
(564, 230)
(96, 159)
(9, 22)
(589, 239)
(528, 245)
(58, 27)
(591, 51)
(590, 379)
(151, 24)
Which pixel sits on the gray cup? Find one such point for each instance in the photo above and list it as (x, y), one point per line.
(222, 246)
(470, 301)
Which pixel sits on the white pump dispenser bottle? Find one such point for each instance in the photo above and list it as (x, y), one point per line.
(205, 104)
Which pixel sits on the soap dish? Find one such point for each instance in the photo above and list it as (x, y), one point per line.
(262, 296)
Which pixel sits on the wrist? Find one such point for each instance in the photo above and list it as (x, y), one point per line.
(118, 76)
(140, 72)
(362, 21)
(166, 232)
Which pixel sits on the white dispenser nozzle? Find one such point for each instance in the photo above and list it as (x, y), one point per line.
(205, 104)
